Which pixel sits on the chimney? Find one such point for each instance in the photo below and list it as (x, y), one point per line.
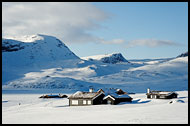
(148, 90)
(91, 90)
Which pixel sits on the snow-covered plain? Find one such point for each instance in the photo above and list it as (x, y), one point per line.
(34, 110)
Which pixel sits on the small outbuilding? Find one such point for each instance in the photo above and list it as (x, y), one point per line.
(116, 99)
(116, 96)
(161, 94)
(53, 96)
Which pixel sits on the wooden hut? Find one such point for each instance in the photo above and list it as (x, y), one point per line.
(111, 96)
(161, 94)
(86, 98)
(116, 96)
(116, 99)
(53, 96)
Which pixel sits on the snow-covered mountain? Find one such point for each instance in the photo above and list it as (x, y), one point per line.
(44, 62)
(33, 53)
(107, 58)
(40, 48)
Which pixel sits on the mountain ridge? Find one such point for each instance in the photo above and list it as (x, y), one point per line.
(43, 62)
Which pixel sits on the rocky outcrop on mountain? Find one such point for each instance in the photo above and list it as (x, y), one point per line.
(183, 54)
(107, 58)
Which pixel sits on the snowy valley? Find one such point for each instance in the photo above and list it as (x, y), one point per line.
(38, 64)
(42, 61)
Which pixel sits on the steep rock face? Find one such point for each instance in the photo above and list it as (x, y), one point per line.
(114, 58)
(8, 46)
(108, 58)
(183, 54)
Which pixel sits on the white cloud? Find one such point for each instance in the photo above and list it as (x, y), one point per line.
(151, 43)
(114, 41)
(69, 21)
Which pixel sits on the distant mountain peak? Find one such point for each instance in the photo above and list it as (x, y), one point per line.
(107, 58)
(183, 54)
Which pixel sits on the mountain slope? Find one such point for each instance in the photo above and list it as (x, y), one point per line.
(43, 49)
(33, 53)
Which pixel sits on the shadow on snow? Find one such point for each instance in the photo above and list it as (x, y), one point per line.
(135, 102)
(61, 106)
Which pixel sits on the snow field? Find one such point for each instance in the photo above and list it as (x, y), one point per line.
(140, 111)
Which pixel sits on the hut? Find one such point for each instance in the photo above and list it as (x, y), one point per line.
(110, 96)
(116, 96)
(53, 96)
(86, 98)
(161, 94)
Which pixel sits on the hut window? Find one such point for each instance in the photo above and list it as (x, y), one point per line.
(84, 102)
(109, 102)
(162, 96)
(89, 102)
(75, 102)
(153, 96)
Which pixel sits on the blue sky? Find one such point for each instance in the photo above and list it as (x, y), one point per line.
(138, 30)
(131, 21)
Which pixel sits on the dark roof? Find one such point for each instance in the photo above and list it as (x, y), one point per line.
(116, 96)
(116, 93)
(86, 95)
(114, 90)
(91, 95)
(162, 92)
